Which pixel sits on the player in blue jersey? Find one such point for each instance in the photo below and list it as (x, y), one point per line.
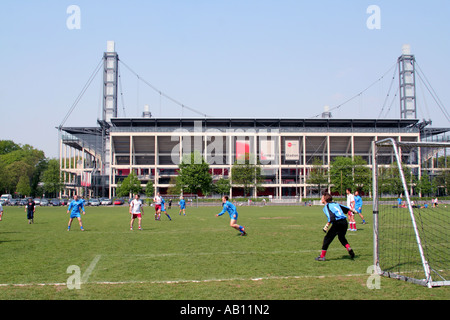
(231, 209)
(182, 204)
(358, 206)
(75, 208)
(163, 208)
(335, 214)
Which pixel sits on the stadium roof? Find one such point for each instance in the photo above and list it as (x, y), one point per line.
(273, 123)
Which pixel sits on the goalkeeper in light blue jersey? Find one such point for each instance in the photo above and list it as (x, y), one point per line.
(231, 209)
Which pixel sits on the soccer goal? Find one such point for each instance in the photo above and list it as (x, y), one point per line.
(411, 215)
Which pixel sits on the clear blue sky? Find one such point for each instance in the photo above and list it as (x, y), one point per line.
(225, 58)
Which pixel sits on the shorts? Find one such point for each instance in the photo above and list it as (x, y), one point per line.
(136, 215)
(74, 215)
(182, 207)
(30, 214)
(157, 207)
(234, 216)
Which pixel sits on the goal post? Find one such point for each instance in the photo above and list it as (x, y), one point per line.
(411, 227)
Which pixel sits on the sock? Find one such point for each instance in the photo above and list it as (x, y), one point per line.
(323, 253)
(169, 217)
(68, 228)
(347, 246)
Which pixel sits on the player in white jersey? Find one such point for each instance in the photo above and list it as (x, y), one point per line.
(157, 202)
(136, 211)
(351, 205)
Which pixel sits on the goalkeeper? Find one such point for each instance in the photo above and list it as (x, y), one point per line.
(336, 218)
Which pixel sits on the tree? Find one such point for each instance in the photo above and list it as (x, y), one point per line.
(129, 186)
(318, 176)
(390, 181)
(36, 178)
(149, 190)
(362, 175)
(194, 174)
(341, 174)
(51, 178)
(222, 186)
(7, 146)
(16, 161)
(424, 185)
(247, 173)
(347, 173)
(175, 186)
(23, 186)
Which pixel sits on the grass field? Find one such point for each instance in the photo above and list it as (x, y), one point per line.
(192, 257)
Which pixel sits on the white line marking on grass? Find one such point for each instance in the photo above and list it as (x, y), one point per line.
(187, 281)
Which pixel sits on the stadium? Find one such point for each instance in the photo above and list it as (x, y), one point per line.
(94, 160)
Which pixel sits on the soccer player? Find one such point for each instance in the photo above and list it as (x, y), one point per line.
(157, 202)
(136, 210)
(231, 209)
(75, 208)
(351, 205)
(163, 208)
(30, 208)
(182, 204)
(336, 218)
(358, 206)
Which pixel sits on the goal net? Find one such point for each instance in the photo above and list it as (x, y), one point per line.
(411, 216)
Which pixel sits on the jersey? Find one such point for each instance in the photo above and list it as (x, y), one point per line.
(162, 204)
(30, 206)
(136, 206)
(75, 208)
(157, 200)
(335, 211)
(231, 209)
(350, 201)
(358, 203)
(182, 204)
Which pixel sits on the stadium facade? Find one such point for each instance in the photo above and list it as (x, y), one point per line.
(94, 160)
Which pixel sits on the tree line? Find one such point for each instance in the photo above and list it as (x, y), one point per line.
(25, 171)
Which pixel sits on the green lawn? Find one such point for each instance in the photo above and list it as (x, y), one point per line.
(193, 257)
